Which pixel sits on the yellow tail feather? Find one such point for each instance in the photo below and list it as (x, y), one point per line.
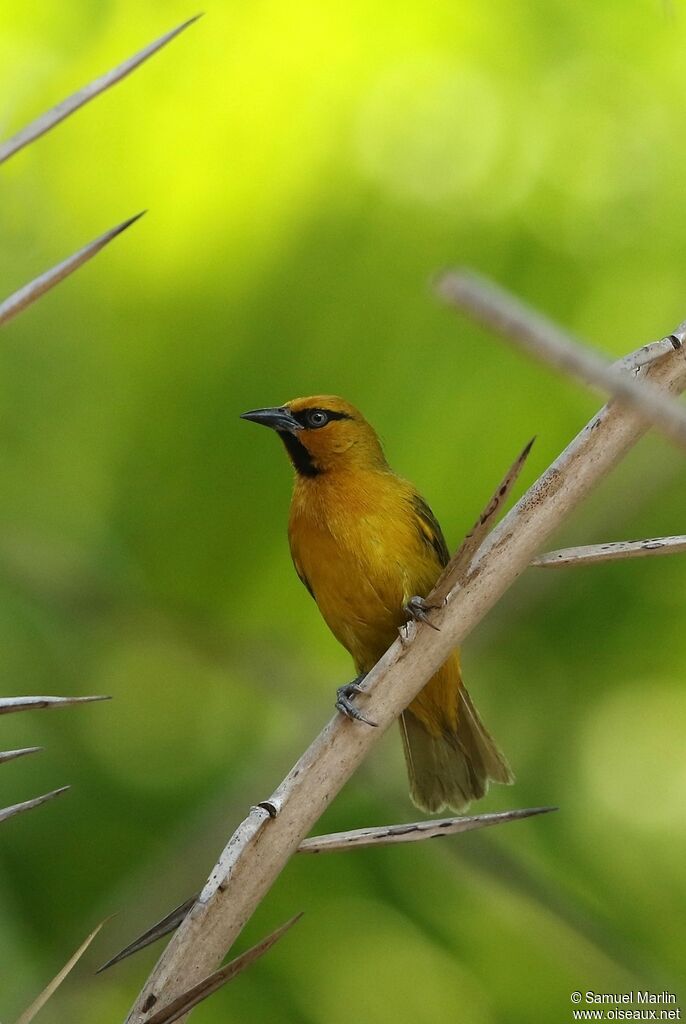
(454, 768)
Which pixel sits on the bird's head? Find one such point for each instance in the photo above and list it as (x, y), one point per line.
(322, 434)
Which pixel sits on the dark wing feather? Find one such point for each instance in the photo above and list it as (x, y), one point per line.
(303, 578)
(429, 529)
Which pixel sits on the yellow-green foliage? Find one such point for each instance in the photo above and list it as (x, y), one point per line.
(307, 166)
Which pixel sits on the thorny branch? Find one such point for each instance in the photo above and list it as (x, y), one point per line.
(492, 306)
(273, 831)
(12, 705)
(382, 836)
(184, 1003)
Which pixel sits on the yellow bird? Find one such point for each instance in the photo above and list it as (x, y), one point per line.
(369, 549)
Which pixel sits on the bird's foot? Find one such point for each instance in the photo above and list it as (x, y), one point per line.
(417, 608)
(345, 705)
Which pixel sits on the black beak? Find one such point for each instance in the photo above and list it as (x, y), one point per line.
(278, 418)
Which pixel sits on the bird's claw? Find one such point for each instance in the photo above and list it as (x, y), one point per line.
(345, 705)
(416, 610)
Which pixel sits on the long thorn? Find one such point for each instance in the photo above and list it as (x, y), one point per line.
(11, 755)
(183, 1003)
(28, 805)
(40, 285)
(168, 924)
(611, 552)
(386, 835)
(38, 1003)
(461, 560)
(9, 705)
(68, 106)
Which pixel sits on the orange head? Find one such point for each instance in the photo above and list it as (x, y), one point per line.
(323, 434)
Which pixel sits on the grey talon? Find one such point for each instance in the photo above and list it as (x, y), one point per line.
(417, 608)
(346, 706)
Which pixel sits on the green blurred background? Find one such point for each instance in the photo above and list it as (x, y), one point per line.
(307, 167)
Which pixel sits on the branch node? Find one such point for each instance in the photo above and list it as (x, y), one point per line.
(272, 807)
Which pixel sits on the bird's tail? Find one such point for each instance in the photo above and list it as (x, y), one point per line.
(452, 767)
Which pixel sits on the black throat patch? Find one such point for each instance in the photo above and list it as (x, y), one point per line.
(298, 454)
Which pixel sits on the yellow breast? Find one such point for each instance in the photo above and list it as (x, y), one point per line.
(358, 546)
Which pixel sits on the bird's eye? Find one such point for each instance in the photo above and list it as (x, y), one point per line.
(317, 418)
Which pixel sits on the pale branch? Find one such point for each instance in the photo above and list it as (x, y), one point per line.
(412, 832)
(11, 755)
(9, 705)
(185, 1002)
(648, 353)
(264, 842)
(612, 552)
(72, 103)
(25, 296)
(380, 836)
(49, 990)
(461, 560)
(28, 805)
(492, 306)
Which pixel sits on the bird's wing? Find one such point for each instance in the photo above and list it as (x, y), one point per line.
(301, 575)
(429, 529)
